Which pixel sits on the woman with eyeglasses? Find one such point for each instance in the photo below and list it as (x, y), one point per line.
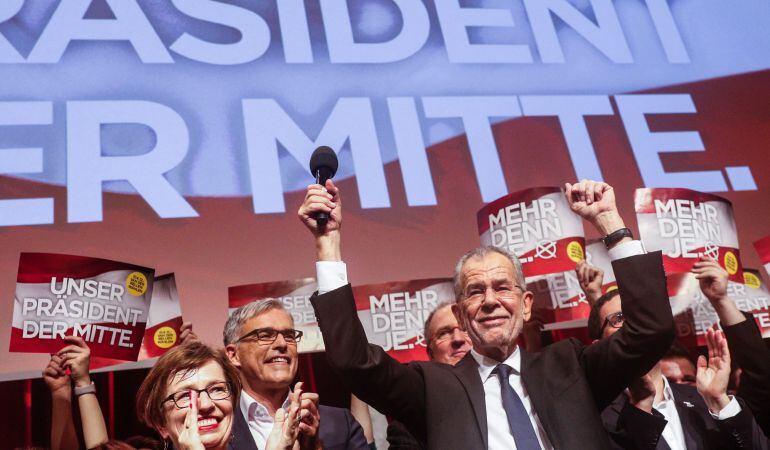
(189, 397)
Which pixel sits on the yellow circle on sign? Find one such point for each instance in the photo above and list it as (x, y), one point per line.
(751, 280)
(575, 251)
(136, 284)
(731, 263)
(164, 337)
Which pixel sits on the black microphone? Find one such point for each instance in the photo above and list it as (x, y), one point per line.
(323, 165)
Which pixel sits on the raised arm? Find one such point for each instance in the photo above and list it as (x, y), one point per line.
(77, 356)
(63, 435)
(372, 375)
(648, 331)
(743, 339)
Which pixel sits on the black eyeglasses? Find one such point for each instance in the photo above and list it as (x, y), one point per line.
(216, 391)
(615, 320)
(269, 335)
(476, 294)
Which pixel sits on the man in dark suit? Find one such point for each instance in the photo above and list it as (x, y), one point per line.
(685, 417)
(545, 400)
(261, 341)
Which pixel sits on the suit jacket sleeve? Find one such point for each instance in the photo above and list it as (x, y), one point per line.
(638, 429)
(399, 438)
(376, 378)
(647, 333)
(737, 431)
(749, 352)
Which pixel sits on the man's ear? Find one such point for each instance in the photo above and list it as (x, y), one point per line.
(528, 298)
(232, 354)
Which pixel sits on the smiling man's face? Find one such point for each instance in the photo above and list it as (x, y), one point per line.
(493, 306)
(269, 366)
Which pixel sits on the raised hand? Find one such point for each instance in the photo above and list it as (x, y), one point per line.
(641, 393)
(56, 378)
(77, 358)
(321, 199)
(594, 201)
(590, 279)
(713, 284)
(189, 438)
(186, 333)
(712, 278)
(713, 374)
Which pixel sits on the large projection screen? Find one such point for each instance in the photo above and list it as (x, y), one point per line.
(176, 134)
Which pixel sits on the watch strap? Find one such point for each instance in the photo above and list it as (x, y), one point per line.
(615, 237)
(83, 390)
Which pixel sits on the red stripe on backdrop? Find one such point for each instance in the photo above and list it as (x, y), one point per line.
(41, 267)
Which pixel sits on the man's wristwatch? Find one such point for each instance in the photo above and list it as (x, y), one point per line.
(615, 237)
(87, 389)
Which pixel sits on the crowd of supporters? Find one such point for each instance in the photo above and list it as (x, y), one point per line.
(491, 382)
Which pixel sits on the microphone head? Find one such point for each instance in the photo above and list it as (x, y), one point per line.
(325, 159)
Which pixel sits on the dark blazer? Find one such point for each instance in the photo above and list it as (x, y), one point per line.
(631, 428)
(399, 438)
(749, 352)
(339, 431)
(443, 405)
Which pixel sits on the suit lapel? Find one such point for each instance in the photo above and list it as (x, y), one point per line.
(684, 408)
(241, 438)
(467, 371)
(533, 380)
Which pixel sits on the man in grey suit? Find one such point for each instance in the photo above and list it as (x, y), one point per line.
(499, 396)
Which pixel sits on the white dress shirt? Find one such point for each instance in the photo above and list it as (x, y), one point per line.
(259, 419)
(673, 433)
(498, 431)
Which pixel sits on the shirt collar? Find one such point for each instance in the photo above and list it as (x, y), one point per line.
(255, 411)
(668, 394)
(487, 365)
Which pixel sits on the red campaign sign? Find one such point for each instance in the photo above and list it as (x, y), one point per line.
(685, 225)
(558, 300)
(393, 314)
(105, 302)
(294, 295)
(538, 226)
(763, 250)
(695, 314)
(164, 323)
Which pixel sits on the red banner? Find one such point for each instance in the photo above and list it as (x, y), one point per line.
(105, 302)
(687, 224)
(538, 226)
(393, 314)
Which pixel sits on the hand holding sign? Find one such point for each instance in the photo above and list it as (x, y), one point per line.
(76, 357)
(56, 378)
(590, 279)
(594, 201)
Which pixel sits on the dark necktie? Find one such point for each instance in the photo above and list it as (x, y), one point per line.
(518, 419)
